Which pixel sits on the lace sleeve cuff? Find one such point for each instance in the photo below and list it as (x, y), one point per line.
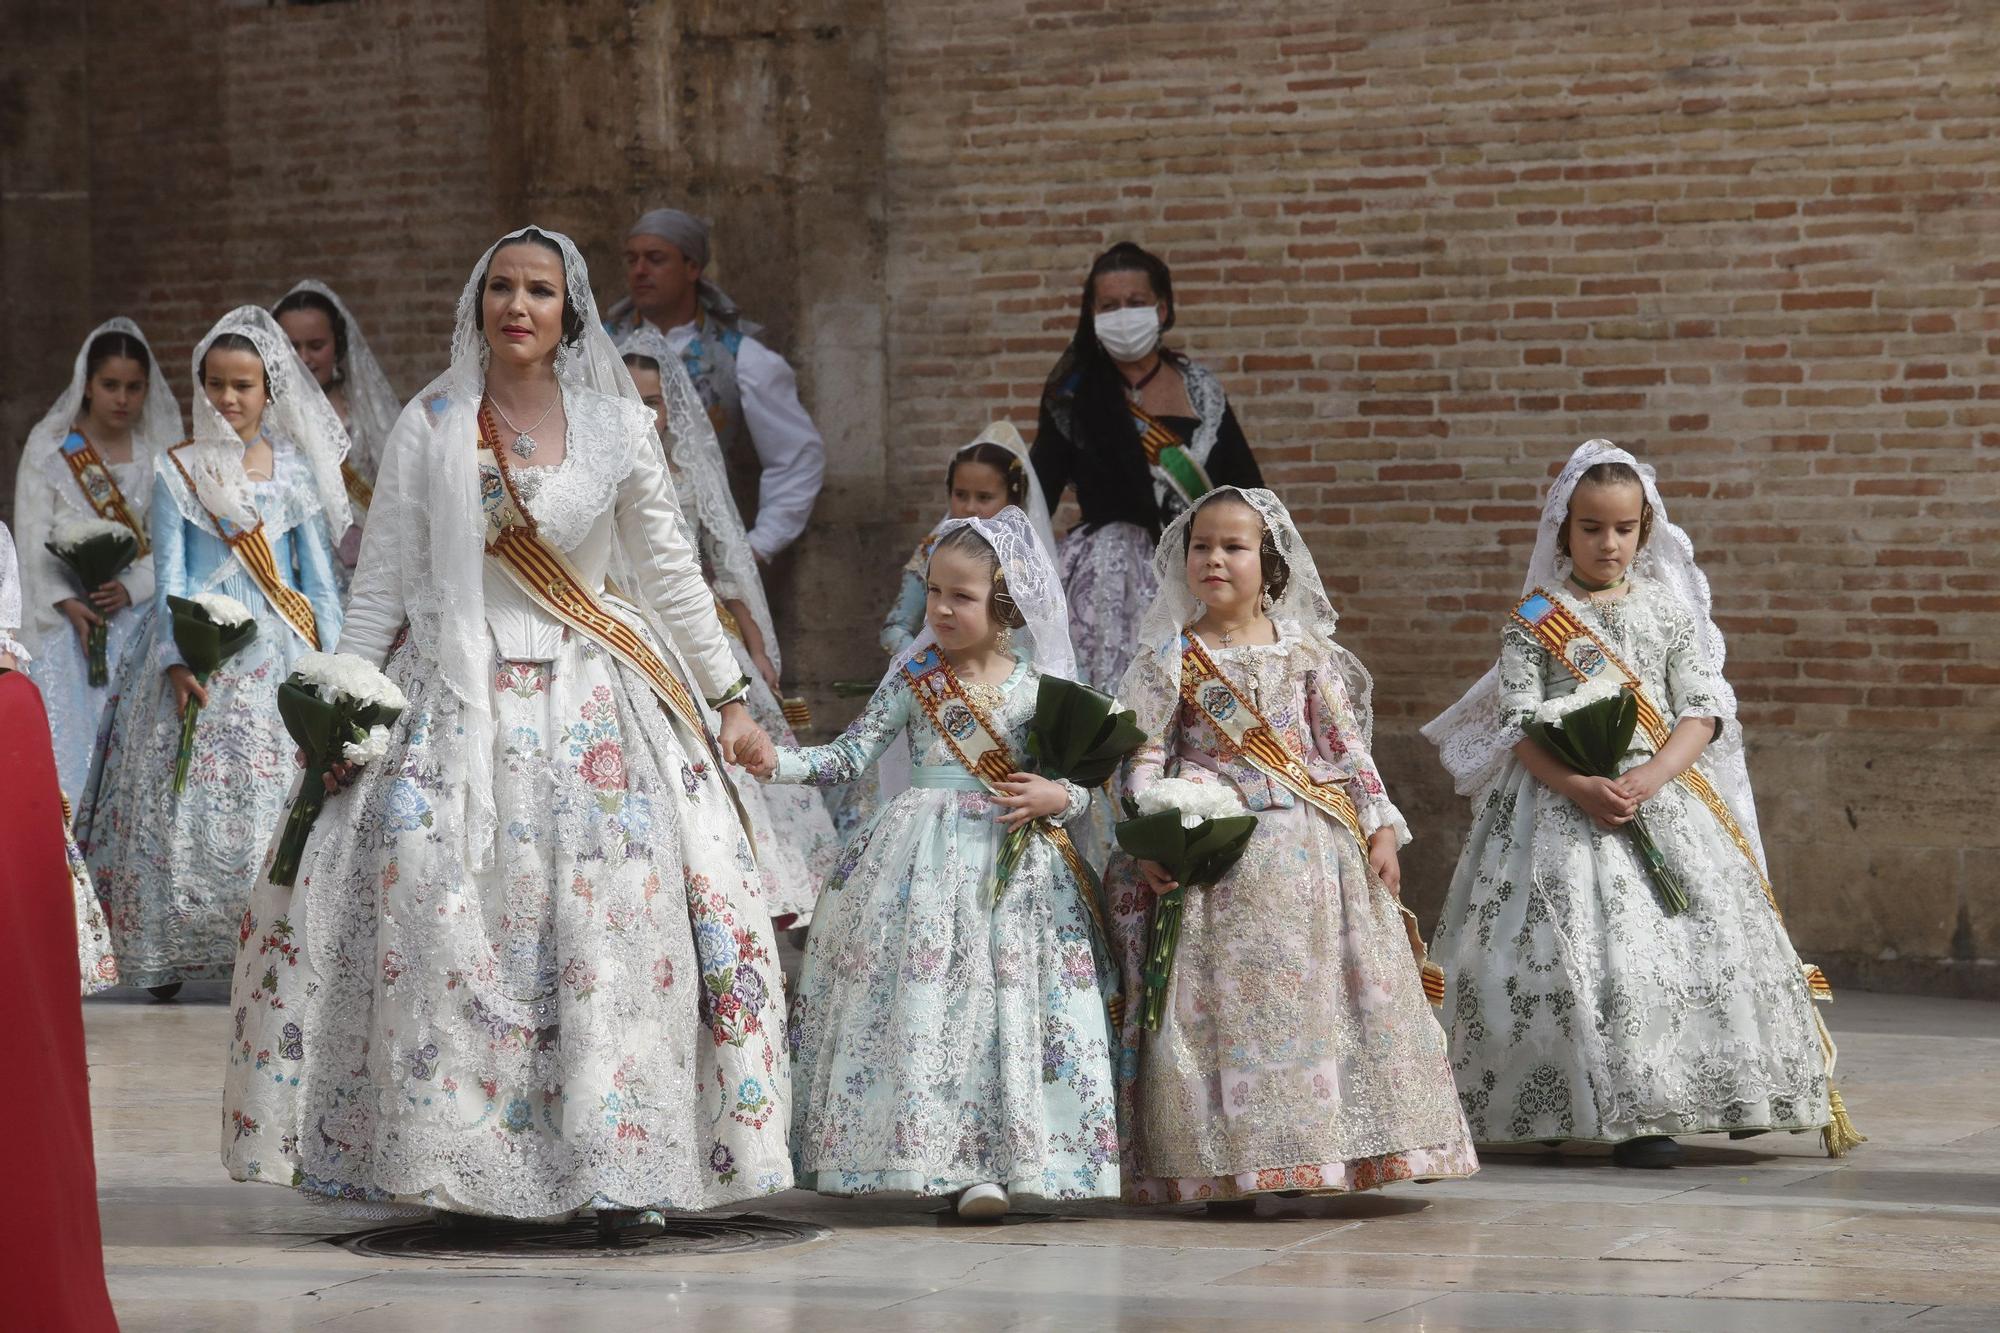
(1079, 801)
(1382, 813)
(14, 648)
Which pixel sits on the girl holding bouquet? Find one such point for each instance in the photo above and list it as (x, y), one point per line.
(524, 968)
(1295, 1051)
(245, 509)
(1583, 1004)
(90, 460)
(948, 1031)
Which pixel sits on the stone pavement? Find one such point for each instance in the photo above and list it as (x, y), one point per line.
(1765, 1235)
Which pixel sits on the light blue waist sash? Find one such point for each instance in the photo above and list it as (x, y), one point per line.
(945, 777)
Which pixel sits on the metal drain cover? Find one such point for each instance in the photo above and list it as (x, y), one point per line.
(686, 1233)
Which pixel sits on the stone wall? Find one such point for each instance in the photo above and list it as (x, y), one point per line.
(1428, 247)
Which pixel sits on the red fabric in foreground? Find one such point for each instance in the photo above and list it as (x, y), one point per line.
(51, 1255)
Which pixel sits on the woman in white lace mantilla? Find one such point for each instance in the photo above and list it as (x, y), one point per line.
(90, 457)
(526, 968)
(1579, 1007)
(794, 835)
(329, 340)
(1297, 1052)
(246, 509)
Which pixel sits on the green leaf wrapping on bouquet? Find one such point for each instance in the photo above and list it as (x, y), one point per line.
(92, 563)
(204, 646)
(1593, 740)
(320, 728)
(1197, 857)
(97, 560)
(1079, 734)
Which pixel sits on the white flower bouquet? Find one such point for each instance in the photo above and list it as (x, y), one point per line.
(337, 708)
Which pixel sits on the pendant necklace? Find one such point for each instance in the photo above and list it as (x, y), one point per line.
(525, 443)
(1134, 388)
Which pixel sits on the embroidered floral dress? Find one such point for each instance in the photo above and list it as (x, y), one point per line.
(1297, 1051)
(1577, 1009)
(941, 1040)
(595, 1018)
(174, 871)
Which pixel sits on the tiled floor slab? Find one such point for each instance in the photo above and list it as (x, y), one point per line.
(1764, 1235)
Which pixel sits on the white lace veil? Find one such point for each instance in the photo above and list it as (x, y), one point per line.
(1152, 684)
(695, 457)
(297, 412)
(158, 427)
(1008, 437)
(372, 404)
(1470, 738)
(429, 522)
(1034, 585)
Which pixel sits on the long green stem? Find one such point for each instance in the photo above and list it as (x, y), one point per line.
(298, 827)
(1673, 896)
(1163, 941)
(100, 665)
(189, 712)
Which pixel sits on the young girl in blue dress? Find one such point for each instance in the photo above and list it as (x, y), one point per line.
(949, 1039)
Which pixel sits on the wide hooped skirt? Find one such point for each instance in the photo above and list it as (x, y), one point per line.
(594, 1019)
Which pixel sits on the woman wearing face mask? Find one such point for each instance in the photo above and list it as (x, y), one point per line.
(1143, 433)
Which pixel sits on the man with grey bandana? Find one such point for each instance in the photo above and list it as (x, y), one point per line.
(747, 387)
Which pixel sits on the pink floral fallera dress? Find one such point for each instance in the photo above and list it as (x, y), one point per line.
(1297, 1051)
(595, 1019)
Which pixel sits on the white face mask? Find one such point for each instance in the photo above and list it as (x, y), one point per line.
(1129, 334)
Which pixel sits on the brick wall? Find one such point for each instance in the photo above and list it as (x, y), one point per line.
(1428, 246)
(234, 150)
(1431, 247)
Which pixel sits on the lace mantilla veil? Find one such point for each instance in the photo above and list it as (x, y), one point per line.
(1152, 684)
(372, 405)
(1470, 737)
(297, 412)
(158, 427)
(696, 459)
(1008, 437)
(1034, 585)
(427, 521)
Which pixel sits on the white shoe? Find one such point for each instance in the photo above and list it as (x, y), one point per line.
(983, 1203)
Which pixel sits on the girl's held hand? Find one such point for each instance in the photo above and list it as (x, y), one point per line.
(339, 774)
(1603, 800)
(81, 618)
(111, 598)
(744, 743)
(1026, 796)
(1382, 860)
(1643, 783)
(186, 687)
(1158, 878)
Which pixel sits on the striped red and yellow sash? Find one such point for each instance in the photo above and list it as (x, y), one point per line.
(358, 489)
(100, 487)
(1169, 458)
(1212, 695)
(546, 576)
(972, 740)
(252, 549)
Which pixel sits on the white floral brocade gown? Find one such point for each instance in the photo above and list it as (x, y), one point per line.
(941, 1039)
(1577, 1009)
(594, 1020)
(1297, 1050)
